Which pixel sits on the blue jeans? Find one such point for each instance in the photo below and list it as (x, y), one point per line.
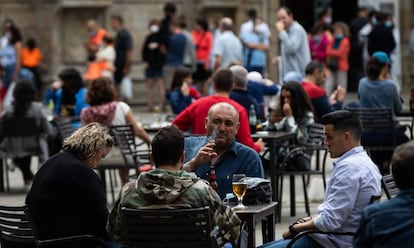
(303, 242)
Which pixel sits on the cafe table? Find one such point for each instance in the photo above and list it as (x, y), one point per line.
(273, 138)
(253, 213)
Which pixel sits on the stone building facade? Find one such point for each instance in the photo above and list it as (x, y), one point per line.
(59, 25)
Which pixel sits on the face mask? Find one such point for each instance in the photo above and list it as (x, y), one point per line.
(374, 21)
(327, 20)
(339, 36)
(154, 28)
(388, 24)
(92, 33)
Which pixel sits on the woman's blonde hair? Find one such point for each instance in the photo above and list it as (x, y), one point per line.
(88, 141)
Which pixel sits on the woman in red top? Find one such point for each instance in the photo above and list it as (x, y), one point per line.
(338, 50)
(203, 41)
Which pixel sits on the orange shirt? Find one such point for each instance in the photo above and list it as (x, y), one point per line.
(30, 58)
(341, 53)
(97, 38)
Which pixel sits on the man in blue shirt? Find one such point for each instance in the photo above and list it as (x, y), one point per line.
(355, 178)
(391, 223)
(221, 148)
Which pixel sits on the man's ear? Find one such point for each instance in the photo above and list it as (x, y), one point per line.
(237, 127)
(205, 123)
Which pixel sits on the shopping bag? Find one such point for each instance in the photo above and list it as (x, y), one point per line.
(126, 88)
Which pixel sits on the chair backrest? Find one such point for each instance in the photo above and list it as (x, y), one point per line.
(316, 135)
(373, 119)
(83, 240)
(167, 228)
(390, 188)
(19, 126)
(64, 127)
(15, 230)
(125, 139)
(20, 135)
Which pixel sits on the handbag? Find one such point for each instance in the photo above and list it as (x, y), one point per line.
(297, 160)
(259, 190)
(333, 64)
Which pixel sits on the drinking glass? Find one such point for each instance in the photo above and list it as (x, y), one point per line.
(239, 189)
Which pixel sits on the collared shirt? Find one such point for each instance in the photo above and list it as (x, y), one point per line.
(355, 178)
(229, 48)
(387, 224)
(238, 159)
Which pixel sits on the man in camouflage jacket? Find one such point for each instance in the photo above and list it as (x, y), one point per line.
(169, 187)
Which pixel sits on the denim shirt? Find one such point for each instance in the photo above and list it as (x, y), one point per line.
(237, 159)
(388, 224)
(355, 178)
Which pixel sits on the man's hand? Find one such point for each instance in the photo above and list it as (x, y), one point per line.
(204, 155)
(260, 143)
(280, 26)
(337, 95)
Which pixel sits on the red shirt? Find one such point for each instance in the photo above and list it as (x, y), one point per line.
(313, 90)
(204, 43)
(193, 117)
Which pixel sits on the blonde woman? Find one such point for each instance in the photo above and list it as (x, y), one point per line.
(67, 197)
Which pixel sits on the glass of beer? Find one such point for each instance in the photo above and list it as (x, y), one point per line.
(239, 189)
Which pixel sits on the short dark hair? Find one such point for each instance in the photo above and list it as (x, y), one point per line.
(252, 13)
(203, 23)
(119, 18)
(170, 7)
(402, 165)
(167, 146)
(344, 120)
(223, 80)
(312, 66)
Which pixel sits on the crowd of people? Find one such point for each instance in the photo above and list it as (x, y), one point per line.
(214, 81)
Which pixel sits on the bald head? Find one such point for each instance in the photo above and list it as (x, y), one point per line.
(226, 23)
(223, 119)
(223, 106)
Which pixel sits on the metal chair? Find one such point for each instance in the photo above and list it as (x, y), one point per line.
(134, 158)
(21, 135)
(168, 228)
(126, 155)
(377, 120)
(63, 242)
(65, 127)
(389, 186)
(314, 146)
(15, 230)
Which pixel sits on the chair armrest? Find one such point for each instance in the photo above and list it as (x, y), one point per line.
(304, 233)
(73, 239)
